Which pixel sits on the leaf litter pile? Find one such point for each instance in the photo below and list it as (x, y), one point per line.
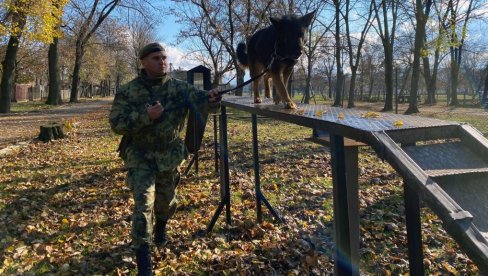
(65, 209)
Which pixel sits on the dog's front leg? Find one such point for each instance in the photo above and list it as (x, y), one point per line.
(255, 89)
(267, 85)
(281, 91)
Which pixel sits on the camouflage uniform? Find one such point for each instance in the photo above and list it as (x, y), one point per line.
(155, 149)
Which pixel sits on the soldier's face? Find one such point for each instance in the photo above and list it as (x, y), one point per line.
(156, 64)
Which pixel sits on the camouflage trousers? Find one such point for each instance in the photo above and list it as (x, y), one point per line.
(154, 199)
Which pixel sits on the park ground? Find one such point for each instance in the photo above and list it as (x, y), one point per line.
(65, 210)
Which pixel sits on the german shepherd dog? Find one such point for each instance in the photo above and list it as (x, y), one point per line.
(280, 45)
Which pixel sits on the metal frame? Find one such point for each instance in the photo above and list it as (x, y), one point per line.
(257, 180)
(224, 174)
(384, 139)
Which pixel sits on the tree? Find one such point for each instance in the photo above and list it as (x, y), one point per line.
(36, 20)
(232, 21)
(484, 96)
(141, 32)
(90, 21)
(338, 55)
(421, 19)
(387, 37)
(327, 61)
(54, 96)
(355, 58)
(316, 34)
(205, 45)
(456, 27)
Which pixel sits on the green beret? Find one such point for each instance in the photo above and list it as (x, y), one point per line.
(150, 48)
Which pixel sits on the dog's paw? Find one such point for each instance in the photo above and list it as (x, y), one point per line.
(290, 105)
(257, 100)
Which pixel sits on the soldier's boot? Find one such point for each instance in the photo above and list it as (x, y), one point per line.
(143, 258)
(160, 238)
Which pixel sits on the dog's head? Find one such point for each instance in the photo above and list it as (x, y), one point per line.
(291, 34)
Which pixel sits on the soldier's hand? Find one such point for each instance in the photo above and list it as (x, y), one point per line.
(155, 111)
(213, 95)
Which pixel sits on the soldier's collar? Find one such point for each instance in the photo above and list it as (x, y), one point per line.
(153, 82)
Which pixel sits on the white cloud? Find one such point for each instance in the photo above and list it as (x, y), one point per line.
(179, 59)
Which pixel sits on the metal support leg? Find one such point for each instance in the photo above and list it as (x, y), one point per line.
(414, 231)
(259, 195)
(224, 174)
(195, 142)
(352, 184)
(257, 179)
(344, 264)
(216, 144)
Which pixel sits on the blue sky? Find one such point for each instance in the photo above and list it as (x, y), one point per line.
(168, 31)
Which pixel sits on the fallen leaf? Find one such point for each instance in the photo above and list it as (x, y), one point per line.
(371, 114)
(398, 123)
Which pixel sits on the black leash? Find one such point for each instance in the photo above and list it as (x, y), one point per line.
(178, 106)
(245, 83)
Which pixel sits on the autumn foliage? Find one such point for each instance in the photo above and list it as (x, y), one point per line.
(41, 19)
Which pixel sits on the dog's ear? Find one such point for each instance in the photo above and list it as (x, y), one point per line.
(275, 21)
(307, 18)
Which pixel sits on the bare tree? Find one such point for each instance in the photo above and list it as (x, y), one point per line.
(316, 34)
(91, 17)
(456, 27)
(205, 45)
(233, 21)
(386, 14)
(141, 32)
(338, 54)
(354, 52)
(326, 62)
(421, 16)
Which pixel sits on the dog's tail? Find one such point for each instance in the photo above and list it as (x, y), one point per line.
(242, 54)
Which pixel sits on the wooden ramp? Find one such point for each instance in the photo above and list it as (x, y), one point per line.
(445, 164)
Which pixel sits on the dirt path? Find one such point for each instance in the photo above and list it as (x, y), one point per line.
(22, 127)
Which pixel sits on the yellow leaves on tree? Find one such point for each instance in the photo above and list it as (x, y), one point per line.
(35, 20)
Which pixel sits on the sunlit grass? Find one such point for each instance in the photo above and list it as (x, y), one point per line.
(29, 106)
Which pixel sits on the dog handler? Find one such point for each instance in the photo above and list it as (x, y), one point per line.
(150, 112)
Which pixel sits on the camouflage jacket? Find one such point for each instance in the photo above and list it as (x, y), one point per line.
(155, 144)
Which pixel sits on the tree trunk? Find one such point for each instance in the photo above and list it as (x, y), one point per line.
(484, 96)
(306, 98)
(240, 79)
(389, 71)
(352, 87)
(371, 84)
(329, 82)
(454, 82)
(428, 80)
(340, 73)
(54, 96)
(361, 86)
(8, 76)
(75, 82)
(432, 79)
(421, 17)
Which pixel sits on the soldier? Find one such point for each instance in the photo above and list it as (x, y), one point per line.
(150, 112)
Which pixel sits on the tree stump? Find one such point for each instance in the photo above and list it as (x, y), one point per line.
(51, 131)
